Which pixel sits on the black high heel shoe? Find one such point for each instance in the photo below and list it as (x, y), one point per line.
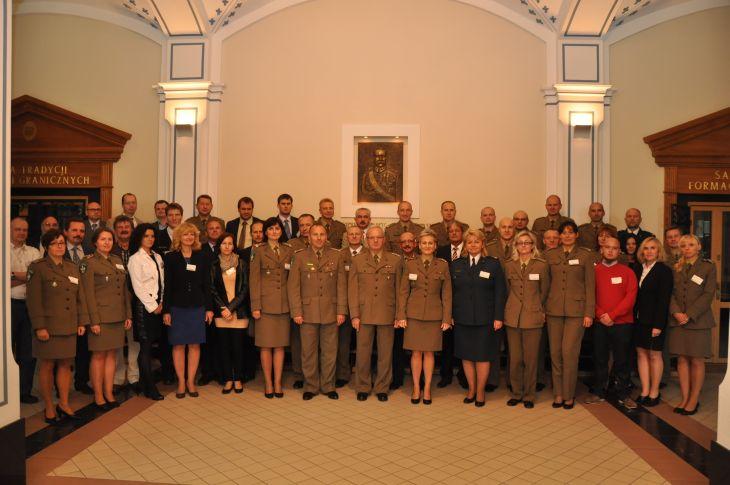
(112, 404)
(52, 421)
(427, 402)
(416, 401)
(480, 404)
(63, 414)
(101, 407)
(685, 412)
(269, 395)
(469, 400)
(227, 391)
(557, 405)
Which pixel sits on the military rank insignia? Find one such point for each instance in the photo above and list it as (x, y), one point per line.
(82, 267)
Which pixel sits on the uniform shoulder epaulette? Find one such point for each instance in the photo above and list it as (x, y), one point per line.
(588, 250)
(540, 258)
(584, 225)
(551, 250)
(395, 254)
(491, 242)
(706, 260)
(38, 260)
(333, 248)
(493, 257)
(442, 259)
(285, 244)
(299, 250)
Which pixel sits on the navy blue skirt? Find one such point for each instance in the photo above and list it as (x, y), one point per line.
(188, 326)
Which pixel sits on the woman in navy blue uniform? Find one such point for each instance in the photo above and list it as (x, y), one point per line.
(479, 294)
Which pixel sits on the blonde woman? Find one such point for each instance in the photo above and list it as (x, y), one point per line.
(187, 304)
(691, 322)
(528, 279)
(424, 310)
(478, 309)
(651, 313)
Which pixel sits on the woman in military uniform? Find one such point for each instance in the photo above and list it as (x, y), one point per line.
(57, 309)
(691, 322)
(229, 275)
(570, 308)
(424, 310)
(528, 280)
(270, 264)
(478, 309)
(104, 280)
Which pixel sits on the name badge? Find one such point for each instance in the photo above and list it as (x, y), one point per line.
(617, 280)
(412, 276)
(120, 266)
(696, 279)
(534, 276)
(190, 267)
(231, 271)
(287, 266)
(574, 262)
(73, 280)
(484, 274)
(347, 267)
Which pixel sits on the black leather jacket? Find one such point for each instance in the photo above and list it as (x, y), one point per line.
(240, 303)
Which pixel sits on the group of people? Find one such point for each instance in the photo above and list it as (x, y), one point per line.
(206, 292)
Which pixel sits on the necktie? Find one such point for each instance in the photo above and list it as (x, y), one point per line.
(524, 265)
(287, 228)
(376, 259)
(242, 236)
(454, 253)
(506, 250)
(405, 228)
(94, 226)
(327, 228)
(319, 255)
(75, 255)
(354, 253)
(473, 261)
(426, 264)
(567, 254)
(276, 251)
(687, 268)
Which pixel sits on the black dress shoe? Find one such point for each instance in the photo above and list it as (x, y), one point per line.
(557, 405)
(52, 421)
(28, 399)
(427, 402)
(569, 406)
(63, 414)
(641, 399)
(238, 390)
(136, 388)
(382, 397)
(269, 395)
(155, 396)
(469, 400)
(112, 404)
(443, 383)
(650, 402)
(179, 395)
(307, 396)
(84, 389)
(480, 404)
(333, 395)
(514, 402)
(362, 396)
(298, 384)
(101, 407)
(193, 393)
(529, 404)
(340, 383)
(416, 401)
(686, 412)
(539, 386)
(394, 385)
(490, 388)
(278, 395)
(678, 410)
(227, 391)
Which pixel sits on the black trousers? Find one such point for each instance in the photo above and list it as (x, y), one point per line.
(82, 361)
(144, 361)
(229, 347)
(399, 357)
(250, 356)
(447, 356)
(164, 349)
(616, 340)
(210, 361)
(22, 342)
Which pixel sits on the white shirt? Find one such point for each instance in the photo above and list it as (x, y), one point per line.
(645, 271)
(143, 274)
(355, 252)
(363, 240)
(70, 247)
(20, 258)
(458, 250)
(475, 259)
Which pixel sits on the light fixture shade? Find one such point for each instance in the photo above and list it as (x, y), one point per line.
(185, 117)
(581, 119)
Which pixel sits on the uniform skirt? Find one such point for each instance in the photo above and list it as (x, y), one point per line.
(111, 337)
(56, 347)
(272, 330)
(477, 343)
(422, 335)
(188, 326)
(690, 342)
(644, 340)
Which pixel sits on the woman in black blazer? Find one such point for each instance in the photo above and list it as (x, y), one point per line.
(187, 305)
(651, 313)
(479, 295)
(229, 277)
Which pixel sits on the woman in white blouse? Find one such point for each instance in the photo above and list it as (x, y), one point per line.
(147, 275)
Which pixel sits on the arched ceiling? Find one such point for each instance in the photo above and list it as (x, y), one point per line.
(593, 18)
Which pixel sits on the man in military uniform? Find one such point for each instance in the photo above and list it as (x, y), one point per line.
(633, 228)
(672, 253)
(372, 292)
(408, 251)
(550, 239)
(404, 224)
(552, 220)
(344, 367)
(380, 183)
(521, 220)
(489, 228)
(318, 304)
(448, 214)
(588, 232)
(363, 221)
(501, 248)
(302, 241)
(335, 229)
(204, 206)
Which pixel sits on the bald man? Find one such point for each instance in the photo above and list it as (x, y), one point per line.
(404, 224)
(448, 214)
(489, 228)
(633, 228)
(552, 220)
(501, 248)
(521, 220)
(588, 232)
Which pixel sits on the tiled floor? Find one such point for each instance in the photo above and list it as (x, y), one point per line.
(249, 439)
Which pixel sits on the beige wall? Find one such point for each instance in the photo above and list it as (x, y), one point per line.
(100, 71)
(671, 73)
(470, 79)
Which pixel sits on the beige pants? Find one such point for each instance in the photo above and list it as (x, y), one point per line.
(524, 345)
(319, 354)
(295, 347)
(565, 335)
(344, 368)
(385, 358)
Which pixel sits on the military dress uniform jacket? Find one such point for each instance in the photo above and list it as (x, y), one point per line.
(572, 283)
(489, 236)
(497, 249)
(107, 292)
(373, 288)
(527, 292)
(542, 224)
(302, 242)
(335, 230)
(425, 294)
(442, 233)
(55, 297)
(346, 256)
(479, 292)
(693, 294)
(588, 234)
(394, 231)
(268, 279)
(317, 286)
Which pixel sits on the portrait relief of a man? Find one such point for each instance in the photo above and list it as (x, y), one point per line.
(379, 171)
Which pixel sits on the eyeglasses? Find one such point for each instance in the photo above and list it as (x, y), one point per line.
(524, 243)
(376, 237)
(58, 243)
